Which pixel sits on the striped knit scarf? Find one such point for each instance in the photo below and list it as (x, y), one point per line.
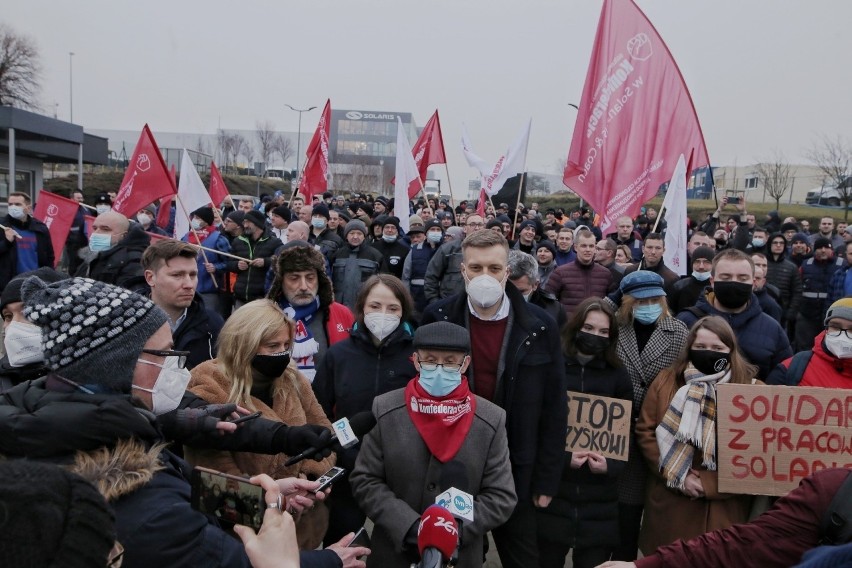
(689, 424)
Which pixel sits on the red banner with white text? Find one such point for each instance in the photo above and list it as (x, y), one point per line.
(146, 180)
(58, 214)
(218, 190)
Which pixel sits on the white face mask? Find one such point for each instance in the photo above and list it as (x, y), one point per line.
(170, 386)
(435, 236)
(196, 224)
(144, 220)
(485, 290)
(16, 212)
(381, 325)
(701, 276)
(23, 344)
(840, 347)
(102, 208)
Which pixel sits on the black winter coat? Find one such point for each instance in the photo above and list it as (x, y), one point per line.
(198, 333)
(9, 252)
(350, 268)
(393, 256)
(584, 514)
(784, 275)
(251, 283)
(532, 379)
(122, 264)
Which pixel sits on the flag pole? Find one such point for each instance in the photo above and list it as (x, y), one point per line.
(517, 203)
(449, 183)
(197, 238)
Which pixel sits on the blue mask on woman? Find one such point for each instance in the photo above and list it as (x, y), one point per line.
(647, 314)
(439, 382)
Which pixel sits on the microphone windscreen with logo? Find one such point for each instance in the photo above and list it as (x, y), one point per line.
(439, 530)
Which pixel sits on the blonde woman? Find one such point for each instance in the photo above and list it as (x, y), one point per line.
(253, 369)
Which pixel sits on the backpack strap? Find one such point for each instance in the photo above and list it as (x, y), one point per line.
(836, 525)
(696, 311)
(797, 367)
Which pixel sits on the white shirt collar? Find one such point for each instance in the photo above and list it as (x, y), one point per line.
(502, 312)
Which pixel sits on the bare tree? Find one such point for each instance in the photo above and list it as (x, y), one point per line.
(200, 146)
(247, 150)
(235, 147)
(284, 148)
(775, 176)
(20, 70)
(222, 145)
(834, 158)
(265, 140)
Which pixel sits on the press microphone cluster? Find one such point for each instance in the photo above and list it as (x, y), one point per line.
(437, 537)
(346, 434)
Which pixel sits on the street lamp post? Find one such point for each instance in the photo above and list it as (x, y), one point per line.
(299, 135)
(71, 84)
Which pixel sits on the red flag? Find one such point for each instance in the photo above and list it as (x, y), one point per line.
(218, 191)
(636, 117)
(147, 179)
(88, 221)
(480, 205)
(164, 213)
(314, 176)
(428, 150)
(58, 214)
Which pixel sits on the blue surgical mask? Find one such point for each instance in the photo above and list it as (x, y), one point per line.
(389, 238)
(100, 242)
(647, 314)
(439, 382)
(757, 243)
(435, 236)
(318, 222)
(16, 212)
(701, 276)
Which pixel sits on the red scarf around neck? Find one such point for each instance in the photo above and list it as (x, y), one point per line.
(198, 236)
(443, 423)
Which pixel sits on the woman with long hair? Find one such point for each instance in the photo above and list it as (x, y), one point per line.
(649, 339)
(583, 515)
(376, 358)
(677, 434)
(254, 369)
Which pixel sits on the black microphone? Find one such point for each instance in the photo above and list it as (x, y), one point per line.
(360, 424)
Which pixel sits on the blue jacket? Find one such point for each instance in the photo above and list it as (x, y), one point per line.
(761, 338)
(218, 241)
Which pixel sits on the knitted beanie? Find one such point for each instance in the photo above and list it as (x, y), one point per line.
(256, 218)
(50, 517)
(205, 214)
(92, 332)
(842, 308)
(12, 291)
(703, 252)
(355, 225)
(322, 210)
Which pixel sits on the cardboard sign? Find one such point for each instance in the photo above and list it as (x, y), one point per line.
(598, 424)
(771, 437)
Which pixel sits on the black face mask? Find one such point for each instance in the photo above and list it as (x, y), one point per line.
(590, 344)
(721, 242)
(709, 362)
(271, 365)
(732, 295)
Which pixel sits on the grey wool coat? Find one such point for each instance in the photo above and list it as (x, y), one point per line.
(396, 478)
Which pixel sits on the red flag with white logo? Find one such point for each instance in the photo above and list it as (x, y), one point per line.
(58, 214)
(146, 180)
(428, 150)
(164, 212)
(635, 118)
(218, 190)
(315, 174)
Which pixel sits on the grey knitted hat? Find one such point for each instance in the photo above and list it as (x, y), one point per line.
(92, 332)
(355, 225)
(442, 335)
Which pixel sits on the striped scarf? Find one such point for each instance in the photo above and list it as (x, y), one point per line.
(690, 424)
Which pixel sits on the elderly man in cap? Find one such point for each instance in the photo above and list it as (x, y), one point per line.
(427, 432)
(111, 377)
(353, 263)
(257, 246)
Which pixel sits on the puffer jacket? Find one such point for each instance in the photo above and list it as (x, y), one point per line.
(784, 275)
(824, 369)
(574, 282)
(251, 283)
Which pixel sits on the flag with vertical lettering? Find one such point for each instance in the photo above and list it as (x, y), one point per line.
(510, 164)
(315, 174)
(146, 180)
(635, 117)
(428, 150)
(218, 190)
(58, 214)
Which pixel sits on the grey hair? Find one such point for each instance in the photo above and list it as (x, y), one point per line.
(522, 264)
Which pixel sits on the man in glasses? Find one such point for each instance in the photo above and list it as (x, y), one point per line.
(171, 272)
(829, 363)
(443, 274)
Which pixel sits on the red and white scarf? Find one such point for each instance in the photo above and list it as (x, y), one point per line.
(444, 422)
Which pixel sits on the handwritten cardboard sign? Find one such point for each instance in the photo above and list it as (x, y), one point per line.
(771, 437)
(598, 424)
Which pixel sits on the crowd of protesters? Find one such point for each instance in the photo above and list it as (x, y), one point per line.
(140, 348)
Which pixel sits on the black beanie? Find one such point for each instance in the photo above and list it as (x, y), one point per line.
(256, 218)
(205, 214)
(284, 212)
(321, 209)
(12, 291)
(703, 252)
(50, 518)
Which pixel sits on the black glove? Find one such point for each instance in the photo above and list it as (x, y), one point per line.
(184, 423)
(409, 544)
(293, 440)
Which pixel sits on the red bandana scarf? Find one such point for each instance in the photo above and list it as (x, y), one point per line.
(443, 423)
(198, 236)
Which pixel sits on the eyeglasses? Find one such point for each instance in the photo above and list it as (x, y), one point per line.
(834, 331)
(475, 225)
(181, 355)
(446, 366)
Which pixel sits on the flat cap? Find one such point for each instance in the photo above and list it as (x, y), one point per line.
(443, 336)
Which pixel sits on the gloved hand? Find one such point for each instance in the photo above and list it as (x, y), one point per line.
(184, 423)
(409, 543)
(293, 440)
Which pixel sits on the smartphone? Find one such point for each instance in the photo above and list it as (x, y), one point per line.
(245, 418)
(329, 477)
(734, 200)
(230, 499)
(361, 538)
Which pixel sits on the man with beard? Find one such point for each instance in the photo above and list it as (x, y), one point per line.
(303, 290)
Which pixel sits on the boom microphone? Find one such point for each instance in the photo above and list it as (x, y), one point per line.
(437, 537)
(346, 434)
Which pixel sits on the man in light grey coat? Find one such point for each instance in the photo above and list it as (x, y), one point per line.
(434, 424)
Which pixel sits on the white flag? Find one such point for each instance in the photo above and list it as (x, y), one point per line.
(675, 207)
(190, 196)
(406, 172)
(510, 164)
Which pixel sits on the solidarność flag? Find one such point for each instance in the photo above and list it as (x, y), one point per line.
(218, 190)
(635, 118)
(406, 174)
(428, 150)
(58, 214)
(146, 180)
(315, 176)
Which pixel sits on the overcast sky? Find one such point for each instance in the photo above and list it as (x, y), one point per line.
(764, 74)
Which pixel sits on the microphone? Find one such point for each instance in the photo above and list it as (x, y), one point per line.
(437, 537)
(455, 498)
(346, 434)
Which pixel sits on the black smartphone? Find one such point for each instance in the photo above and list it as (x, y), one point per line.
(329, 477)
(361, 538)
(232, 500)
(734, 200)
(245, 418)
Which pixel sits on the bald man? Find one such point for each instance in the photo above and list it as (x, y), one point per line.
(115, 251)
(297, 231)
